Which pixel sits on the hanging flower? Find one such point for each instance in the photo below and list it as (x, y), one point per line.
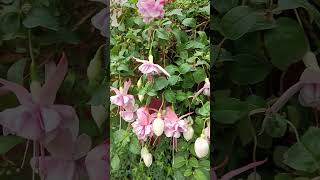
(125, 101)
(149, 68)
(37, 118)
(151, 9)
(142, 127)
(174, 126)
(64, 163)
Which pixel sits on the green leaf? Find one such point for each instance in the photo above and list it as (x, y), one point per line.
(187, 173)
(199, 75)
(134, 146)
(8, 142)
(283, 176)
(204, 110)
(170, 96)
(190, 22)
(115, 162)
(184, 68)
(225, 6)
(173, 80)
(238, 21)
(162, 34)
(305, 156)
(286, 44)
(98, 97)
(179, 161)
(200, 174)
(10, 23)
(193, 162)
(15, 72)
(229, 110)
(160, 83)
(249, 69)
(41, 16)
(276, 126)
(174, 12)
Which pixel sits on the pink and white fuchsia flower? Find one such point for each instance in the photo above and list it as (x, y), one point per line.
(125, 101)
(149, 68)
(142, 127)
(151, 9)
(37, 118)
(174, 126)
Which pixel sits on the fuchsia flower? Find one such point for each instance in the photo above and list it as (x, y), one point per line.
(151, 9)
(205, 89)
(37, 118)
(125, 101)
(65, 160)
(142, 127)
(97, 162)
(174, 126)
(149, 68)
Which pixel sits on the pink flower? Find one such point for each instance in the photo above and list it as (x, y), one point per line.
(174, 126)
(64, 163)
(149, 68)
(151, 9)
(205, 89)
(97, 163)
(142, 127)
(125, 101)
(37, 118)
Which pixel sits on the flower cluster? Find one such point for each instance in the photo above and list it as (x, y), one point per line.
(151, 9)
(148, 122)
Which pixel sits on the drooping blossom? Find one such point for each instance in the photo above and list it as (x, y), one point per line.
(97, 162)
(125, 101)
(205, 89)
(66, 160)
(174, 125)
(149, 68)
(142, 127)
(100, 20)
(37, 118)
(151, 9)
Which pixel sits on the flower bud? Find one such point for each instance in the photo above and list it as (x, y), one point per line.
(201, 146)
(35, 88)
(139, 83)
(147, 159)
(150, 58)
(144, 151)
(310, 60)
(99, 114)
(158, 126)
(189, 133)
(140, 97)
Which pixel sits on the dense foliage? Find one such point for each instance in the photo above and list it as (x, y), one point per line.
(264, 53)
(54, 102)
(176, 36)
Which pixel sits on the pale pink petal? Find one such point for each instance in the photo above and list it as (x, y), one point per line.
(51, 119)
(163, 70)
(126, 86)
(24, 121)
(22, 94)
(62, 139)
(50, 88)
(127, 115)
(54, 169)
